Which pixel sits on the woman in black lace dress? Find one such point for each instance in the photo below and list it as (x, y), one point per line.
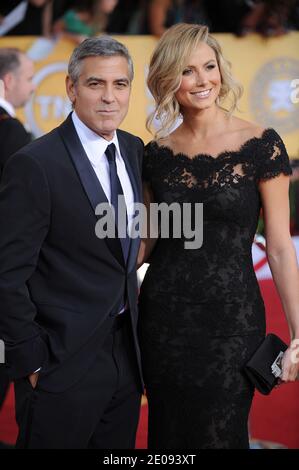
(201, 311)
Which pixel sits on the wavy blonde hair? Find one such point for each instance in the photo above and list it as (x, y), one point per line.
(166, 67)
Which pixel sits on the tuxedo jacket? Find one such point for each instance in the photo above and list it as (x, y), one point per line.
(59, 282)
(13, 136)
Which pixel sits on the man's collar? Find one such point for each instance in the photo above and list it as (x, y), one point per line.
(87, 135)
(8, 107)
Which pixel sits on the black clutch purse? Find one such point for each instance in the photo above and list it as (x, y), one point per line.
(264, 368)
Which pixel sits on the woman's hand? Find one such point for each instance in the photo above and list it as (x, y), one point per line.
(290, 362)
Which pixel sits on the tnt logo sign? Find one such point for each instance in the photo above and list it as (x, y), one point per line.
(49, 105)
(272, 98)
(2, 352)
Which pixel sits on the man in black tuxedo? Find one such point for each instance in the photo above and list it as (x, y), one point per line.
(16, 73)
(16, 87)
(68, 296)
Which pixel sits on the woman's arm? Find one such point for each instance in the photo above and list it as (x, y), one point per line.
(149, 239)
(282, 261)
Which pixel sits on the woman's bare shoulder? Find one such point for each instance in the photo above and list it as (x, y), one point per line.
(246, 129)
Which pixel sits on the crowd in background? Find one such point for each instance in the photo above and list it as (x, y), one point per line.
(78, 19)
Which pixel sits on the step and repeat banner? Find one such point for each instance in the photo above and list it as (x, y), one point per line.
(268, 69)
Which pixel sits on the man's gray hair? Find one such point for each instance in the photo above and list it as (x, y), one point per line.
(9, 60)
(102, 46)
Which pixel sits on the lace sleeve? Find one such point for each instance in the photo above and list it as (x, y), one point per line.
(272, 156)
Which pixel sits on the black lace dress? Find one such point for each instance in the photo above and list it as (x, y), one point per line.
(201, 311)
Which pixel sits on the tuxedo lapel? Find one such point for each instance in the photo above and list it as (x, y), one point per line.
(91, 185)
(131, 168)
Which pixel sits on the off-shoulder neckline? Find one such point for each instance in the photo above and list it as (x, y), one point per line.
(220, 155)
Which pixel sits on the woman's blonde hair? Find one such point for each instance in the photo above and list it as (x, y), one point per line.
(166, 67)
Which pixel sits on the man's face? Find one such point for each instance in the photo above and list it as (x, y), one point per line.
(20, 85)
(101, 94)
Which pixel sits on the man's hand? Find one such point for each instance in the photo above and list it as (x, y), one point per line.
(33, 378)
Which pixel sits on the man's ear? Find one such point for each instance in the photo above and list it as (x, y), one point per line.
(70, 89)
(8, 81)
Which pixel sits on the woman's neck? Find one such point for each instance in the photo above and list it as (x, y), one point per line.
(204, 123)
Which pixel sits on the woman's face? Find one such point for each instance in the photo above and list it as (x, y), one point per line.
(201, 80)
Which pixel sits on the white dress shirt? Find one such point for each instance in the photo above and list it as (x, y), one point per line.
(95, 147)
(8, 107)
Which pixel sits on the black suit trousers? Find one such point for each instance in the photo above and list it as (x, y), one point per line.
(4, 384)
(101, 411)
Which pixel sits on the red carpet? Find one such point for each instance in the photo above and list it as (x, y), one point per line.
(273, 418)
(276, 417)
